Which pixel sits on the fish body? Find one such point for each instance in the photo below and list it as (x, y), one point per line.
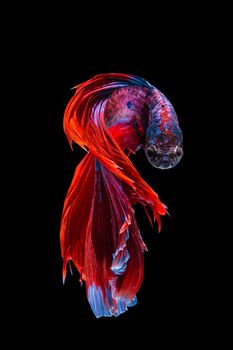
(152, 121)
(111, 116)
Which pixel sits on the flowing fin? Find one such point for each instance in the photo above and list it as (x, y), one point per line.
(112, 243)
(76, 213)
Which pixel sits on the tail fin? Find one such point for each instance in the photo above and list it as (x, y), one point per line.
(76, 214)
(99, 232)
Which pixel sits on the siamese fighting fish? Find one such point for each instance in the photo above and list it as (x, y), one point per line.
(111, 116)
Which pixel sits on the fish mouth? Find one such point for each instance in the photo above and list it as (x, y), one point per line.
(164, 162)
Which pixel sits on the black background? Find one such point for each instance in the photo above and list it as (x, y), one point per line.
(177, 48)
(174, 272)
(172, 263)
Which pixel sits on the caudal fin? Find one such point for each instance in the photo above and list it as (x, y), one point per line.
(76, 213)
(99, 234)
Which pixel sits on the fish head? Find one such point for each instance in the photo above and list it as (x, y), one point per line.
(165, 150)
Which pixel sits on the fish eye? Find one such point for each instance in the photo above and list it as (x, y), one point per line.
(179, 151)
(150, 152)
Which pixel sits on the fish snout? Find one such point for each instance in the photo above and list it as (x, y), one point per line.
(164, 158)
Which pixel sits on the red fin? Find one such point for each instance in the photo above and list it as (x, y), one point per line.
(109, 219)
(129, 283)
(126, 135)
(112, 242)
(76, 213)
(148, 215)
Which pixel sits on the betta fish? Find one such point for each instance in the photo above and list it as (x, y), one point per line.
(111, 116)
